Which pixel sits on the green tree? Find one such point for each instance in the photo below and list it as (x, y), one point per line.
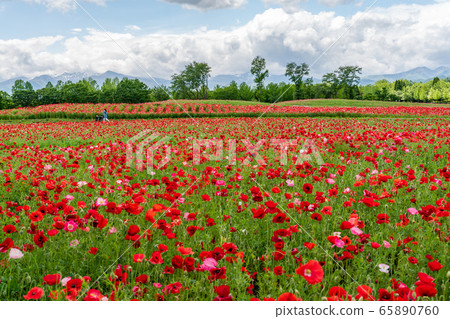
(192, 82)
(435, 81)
(108, 91)
(23, 94)
(258, 69)
(132, 91)
(296, 73)
(5, 101)
(160, 93)
(230, 92)
(348, 77)
(48, 95)
(331, 85)
(245, 92)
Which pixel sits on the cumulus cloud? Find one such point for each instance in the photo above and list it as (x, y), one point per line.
(63, 5)
(205, 5)
(386, 40)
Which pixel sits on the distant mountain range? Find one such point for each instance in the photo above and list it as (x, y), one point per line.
(421, 74)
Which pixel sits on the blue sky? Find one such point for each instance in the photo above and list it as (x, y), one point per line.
(54, 36)
(25, 19)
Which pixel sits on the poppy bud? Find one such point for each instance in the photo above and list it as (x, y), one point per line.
(28, 279)
(448, 275)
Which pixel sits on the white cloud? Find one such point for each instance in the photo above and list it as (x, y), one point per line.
(205, 5)
(386, 40)
(77, 30)
(64, 5)
(132, 28)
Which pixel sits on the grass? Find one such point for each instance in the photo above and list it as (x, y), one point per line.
(218, 102)
(357, 103)
(315, 102)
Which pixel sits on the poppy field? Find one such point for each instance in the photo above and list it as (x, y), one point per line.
(221, 109)
(355, 209)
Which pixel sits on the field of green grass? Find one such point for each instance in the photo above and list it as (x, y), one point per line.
(316, 103)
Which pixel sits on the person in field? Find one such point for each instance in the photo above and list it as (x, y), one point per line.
(105, 115)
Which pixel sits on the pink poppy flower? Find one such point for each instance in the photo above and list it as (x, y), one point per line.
(101, 202)
(70, 226)
(208, 264)
(15, 253)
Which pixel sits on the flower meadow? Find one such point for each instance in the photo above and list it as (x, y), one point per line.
(185, 108)
(79, 222)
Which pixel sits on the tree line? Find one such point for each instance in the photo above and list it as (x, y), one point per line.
(192, 83)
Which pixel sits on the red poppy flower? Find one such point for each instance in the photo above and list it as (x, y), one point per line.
(218, 273)
(191, 230)
(185, 251)
(312, 272)
(276, 190)
(52, 280)
(326, 210)
(177, 262)
(385, 295)
(168, 270)
(39, 239)
(34, 293)
(6, 245)
(133, 230)
(138, 258)
(223, 293)
(93, 250)
(74, 284)
(364, 292)
(435, 265)
(162, 248)
(36, 217)
(338, 292)
(93, 295)
(156, 258)
(52, 232)
(189, 264)
(425, 290)
(9, 229)
(279, 218)
(143, 279)
(308, 188)
(278, 270)
(375, 245)
(287, 296)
